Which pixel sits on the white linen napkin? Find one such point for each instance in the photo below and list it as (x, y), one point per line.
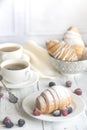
(39, 60)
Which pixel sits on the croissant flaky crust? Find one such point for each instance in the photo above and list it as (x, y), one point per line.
(61, 50)
(53, 98)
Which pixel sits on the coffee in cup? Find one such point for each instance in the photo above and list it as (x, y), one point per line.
(15, 71)
(15, 66)
(10, 50)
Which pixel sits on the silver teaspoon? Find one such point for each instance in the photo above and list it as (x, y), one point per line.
(12, 97)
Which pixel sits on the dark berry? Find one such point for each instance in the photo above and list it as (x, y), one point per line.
(69, 109)
(9, 124)
(21, 122)
(51, 84)
(56, 113)
(36, 112)
(64, 111)
(1, 95)
(68, 84)
(78, 91)
(6, 119)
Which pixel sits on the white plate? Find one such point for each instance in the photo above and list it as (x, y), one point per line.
(78, 104)
(32, 80)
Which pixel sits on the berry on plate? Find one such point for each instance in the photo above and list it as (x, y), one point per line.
(56, 113)
(64, 111)
(36, 112)
(70, 109)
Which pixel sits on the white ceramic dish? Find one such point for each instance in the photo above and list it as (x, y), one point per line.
(29, 104)
(69, 67)
(32, 80)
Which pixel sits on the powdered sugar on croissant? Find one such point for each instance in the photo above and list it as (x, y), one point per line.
(53, 98)
(61, 50)
(72, 37)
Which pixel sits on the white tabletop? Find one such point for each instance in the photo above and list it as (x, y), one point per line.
(15, 111)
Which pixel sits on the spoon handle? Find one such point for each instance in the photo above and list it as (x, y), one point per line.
(4, 85)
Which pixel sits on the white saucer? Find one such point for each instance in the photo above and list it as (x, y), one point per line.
(32, 80)
(77, 103)
(23, 57)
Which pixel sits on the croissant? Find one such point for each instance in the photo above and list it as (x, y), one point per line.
(61, 50)
(52, 45)
(72, 37)
(53, 98)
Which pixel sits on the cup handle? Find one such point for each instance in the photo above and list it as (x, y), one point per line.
(28, 75)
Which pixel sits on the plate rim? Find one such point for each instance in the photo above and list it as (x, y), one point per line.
(53, 119)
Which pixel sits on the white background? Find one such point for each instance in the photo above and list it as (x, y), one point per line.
(40, 20)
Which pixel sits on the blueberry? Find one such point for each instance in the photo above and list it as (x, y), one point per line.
(56, 113)
(9, 124)
(21, 122)
(69, 109)
(51, 84)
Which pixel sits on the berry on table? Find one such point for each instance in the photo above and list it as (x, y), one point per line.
(1, 95)
(6, 119)
(9, 124)
(21, 122)
(36, 112)
(78, 91)
(51, 84)
(56, 113)
(68, 84)
(64, 111)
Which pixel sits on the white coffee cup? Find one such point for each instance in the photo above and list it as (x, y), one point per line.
(15, 71)
(10, 51)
